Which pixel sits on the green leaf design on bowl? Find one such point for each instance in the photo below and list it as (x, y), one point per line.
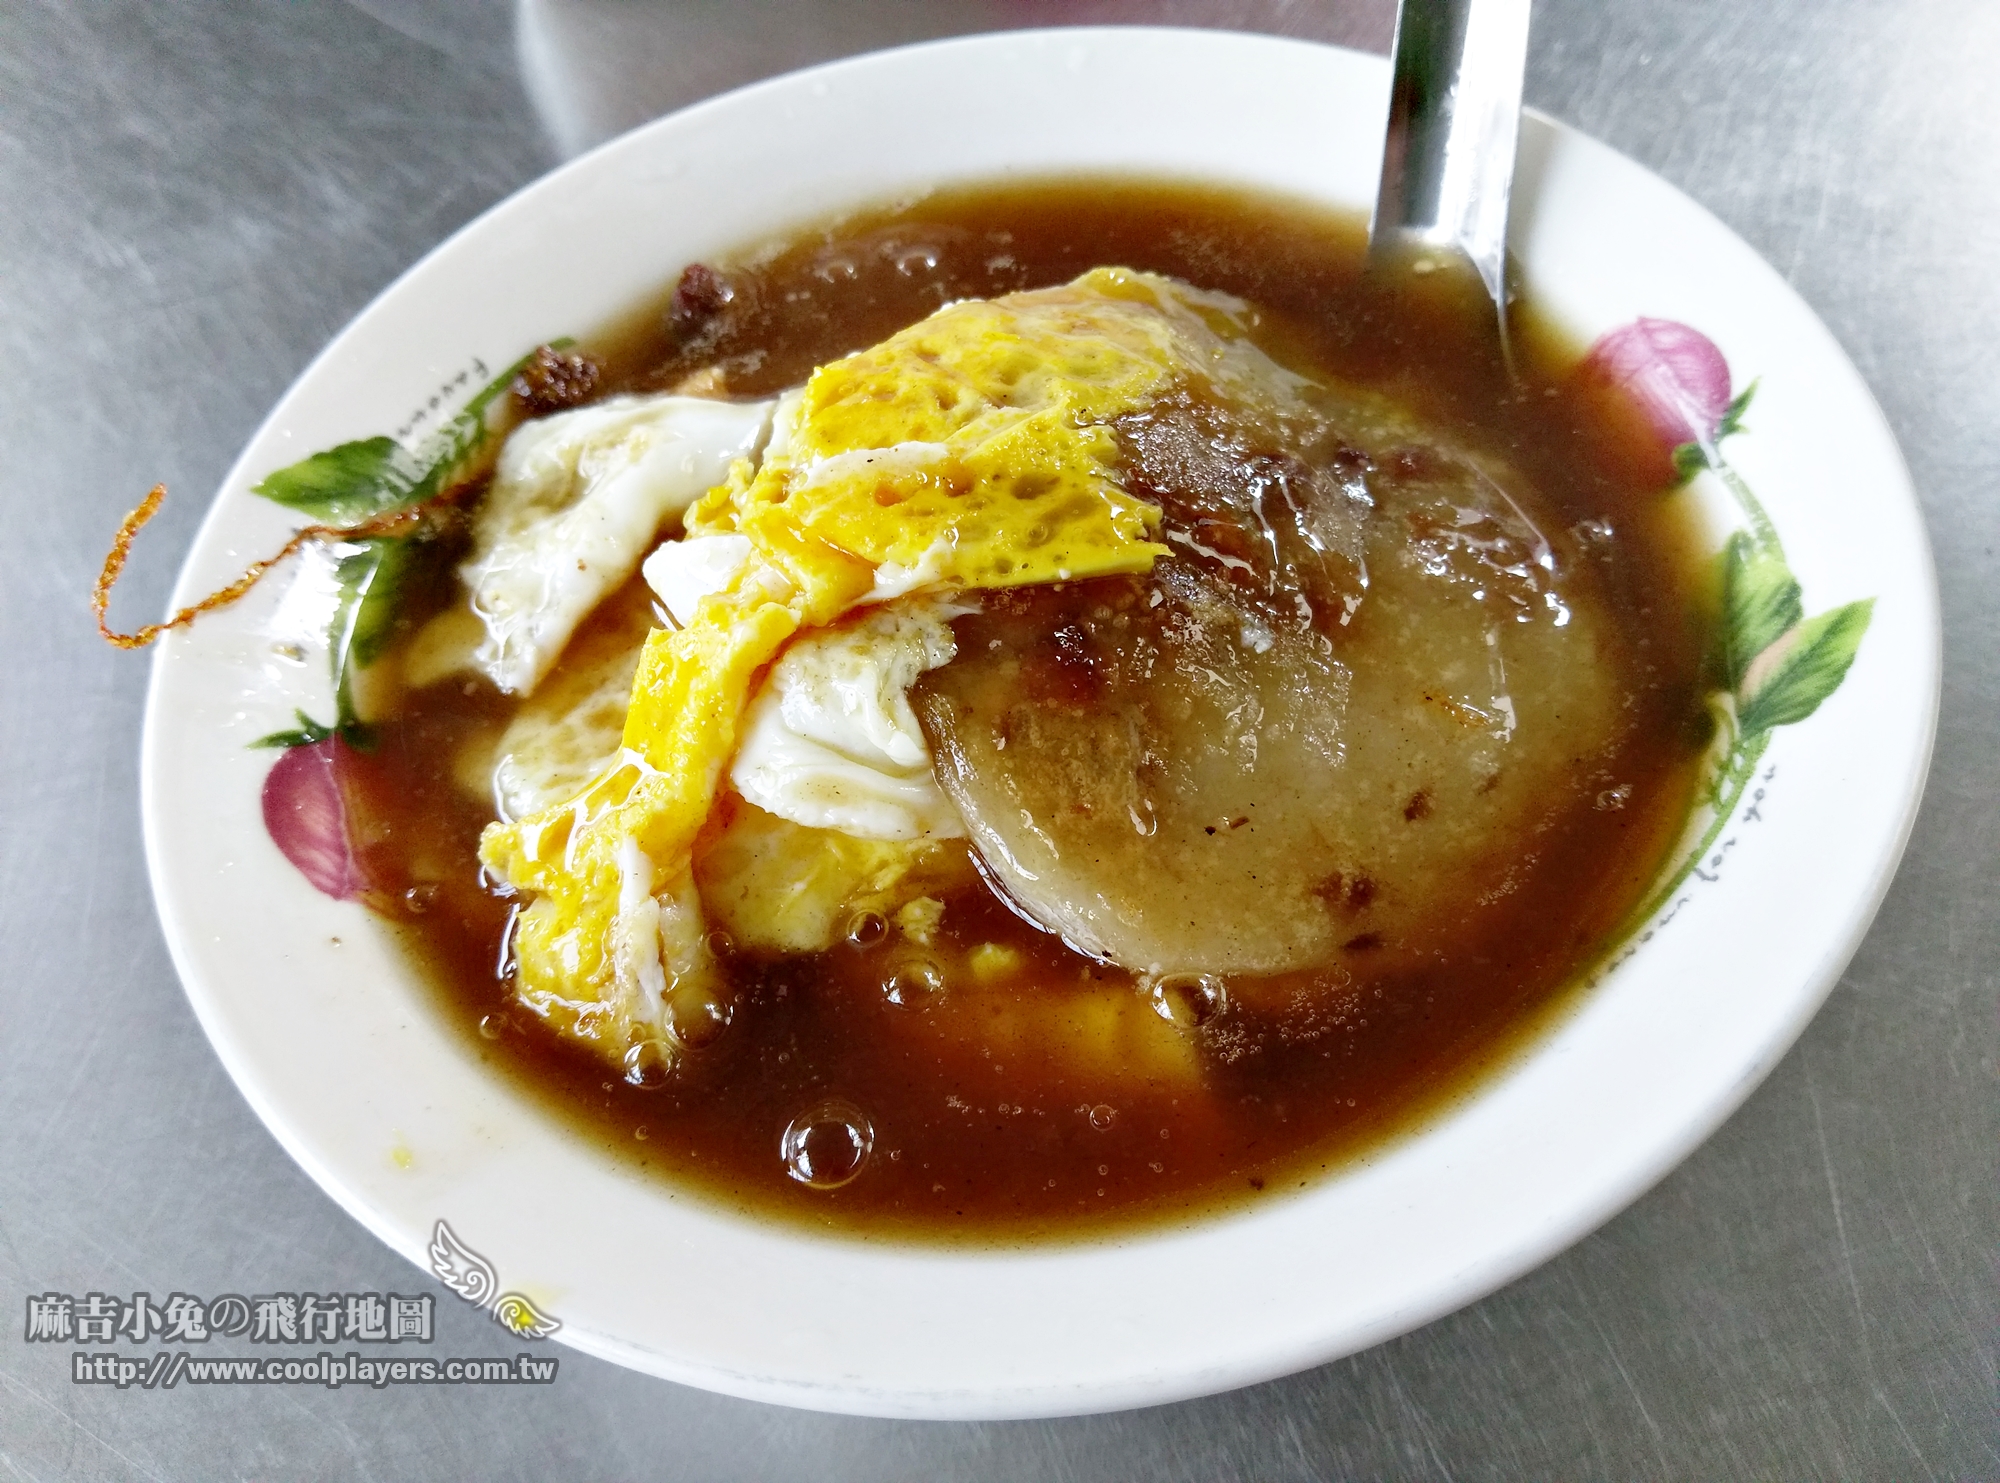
(1760, 603)
(1773, 666)
(1798, 670)
(359, 481)
(348, 484)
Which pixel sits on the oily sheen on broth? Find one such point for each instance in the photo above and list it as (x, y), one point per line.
(1270, 849)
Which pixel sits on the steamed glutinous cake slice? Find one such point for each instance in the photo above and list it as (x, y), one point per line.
(1332, 731)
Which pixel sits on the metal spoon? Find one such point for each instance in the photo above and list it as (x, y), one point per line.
(1454, 119)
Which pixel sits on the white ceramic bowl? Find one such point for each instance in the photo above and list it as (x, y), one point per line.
(344, 1058)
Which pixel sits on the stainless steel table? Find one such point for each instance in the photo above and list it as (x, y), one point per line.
(197, 195)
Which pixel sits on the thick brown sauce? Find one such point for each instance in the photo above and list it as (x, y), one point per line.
(983, 1145)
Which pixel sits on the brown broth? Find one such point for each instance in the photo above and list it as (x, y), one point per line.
(975, 1141)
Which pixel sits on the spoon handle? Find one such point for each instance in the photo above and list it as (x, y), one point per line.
(1454, 118)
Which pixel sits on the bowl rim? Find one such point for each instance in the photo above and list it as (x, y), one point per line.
(1140, 1383)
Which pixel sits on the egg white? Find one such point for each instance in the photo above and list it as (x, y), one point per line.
(577, 499)
(830, 740)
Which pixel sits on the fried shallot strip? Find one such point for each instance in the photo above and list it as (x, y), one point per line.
(389, 523)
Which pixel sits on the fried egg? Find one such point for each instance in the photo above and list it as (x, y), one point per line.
(970, 451)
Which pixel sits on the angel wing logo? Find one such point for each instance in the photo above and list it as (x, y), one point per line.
(524, 1318)
(472, 1277)
(462, 1269)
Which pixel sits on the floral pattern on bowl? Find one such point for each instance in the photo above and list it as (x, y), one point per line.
(1774, 665)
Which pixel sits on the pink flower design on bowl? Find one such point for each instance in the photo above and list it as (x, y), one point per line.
(306, 810)
(1673, 374)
